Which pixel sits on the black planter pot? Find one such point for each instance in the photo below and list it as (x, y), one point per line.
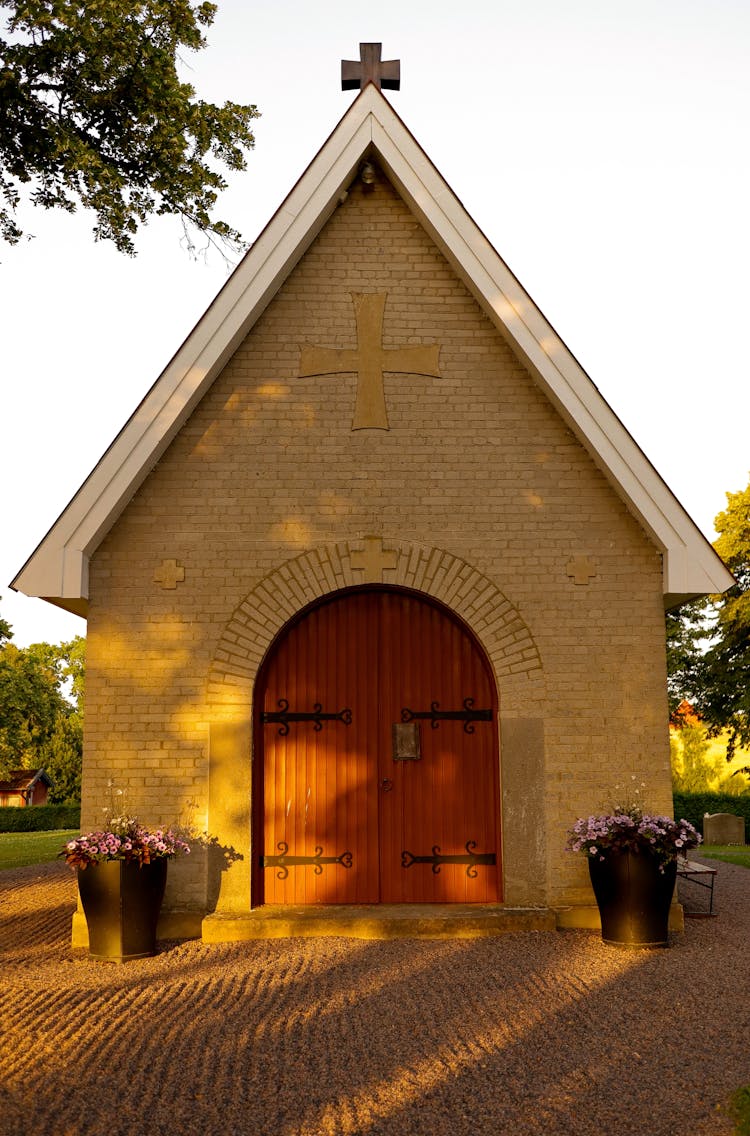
(121, 902)
(633, 897)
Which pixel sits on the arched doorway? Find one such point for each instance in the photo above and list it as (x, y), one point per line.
(376, 759)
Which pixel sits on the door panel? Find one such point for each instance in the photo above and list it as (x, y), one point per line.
(448, 798)
(318, 781)
(342, 821)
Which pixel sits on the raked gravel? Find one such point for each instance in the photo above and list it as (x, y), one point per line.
(524, 1033)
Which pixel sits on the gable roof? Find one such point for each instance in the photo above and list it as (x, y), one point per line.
(58, 569)
(22, 780)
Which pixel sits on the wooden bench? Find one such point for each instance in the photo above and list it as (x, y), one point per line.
(702, 876)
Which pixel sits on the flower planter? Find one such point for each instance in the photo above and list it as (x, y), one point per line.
(633, 897)
(121, 902)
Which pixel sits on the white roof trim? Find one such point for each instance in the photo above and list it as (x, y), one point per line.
(58, 569)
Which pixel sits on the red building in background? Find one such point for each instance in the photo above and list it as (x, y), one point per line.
(24, 787)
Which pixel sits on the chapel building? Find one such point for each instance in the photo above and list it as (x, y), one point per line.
(374, 578)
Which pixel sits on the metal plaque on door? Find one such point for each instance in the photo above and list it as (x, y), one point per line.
(406, 743)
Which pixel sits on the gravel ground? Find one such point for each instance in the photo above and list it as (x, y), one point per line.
(525, 1033)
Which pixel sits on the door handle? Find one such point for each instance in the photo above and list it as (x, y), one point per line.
(386, 784)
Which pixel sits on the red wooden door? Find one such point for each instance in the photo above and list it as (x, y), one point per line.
(346, 811)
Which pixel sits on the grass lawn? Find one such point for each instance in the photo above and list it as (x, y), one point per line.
(17, 849)
(740, 1109)
(729, 853)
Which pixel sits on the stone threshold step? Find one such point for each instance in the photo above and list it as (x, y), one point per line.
(377, 921)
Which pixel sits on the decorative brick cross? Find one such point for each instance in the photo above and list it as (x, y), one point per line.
(169, 574)
(581, 569)
(369, 360)
(370, 69)
(374, 560)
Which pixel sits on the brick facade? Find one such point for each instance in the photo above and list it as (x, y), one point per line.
(486, 499)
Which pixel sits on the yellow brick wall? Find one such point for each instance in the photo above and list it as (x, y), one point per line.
(476, 465)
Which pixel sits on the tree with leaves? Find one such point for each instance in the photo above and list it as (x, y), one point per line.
(708, 641)
(63, 755)
(30, 701)
(687, 630)
(63, 758)
(41, 712)
(93, 112)
(693, 771)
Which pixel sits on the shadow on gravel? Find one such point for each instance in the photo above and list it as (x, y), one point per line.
(48, 926)
(528, 1033)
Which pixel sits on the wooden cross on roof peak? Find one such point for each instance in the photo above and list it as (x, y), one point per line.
(355, 75)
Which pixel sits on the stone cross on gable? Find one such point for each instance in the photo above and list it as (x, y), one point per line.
(370, 69)
(369, 360)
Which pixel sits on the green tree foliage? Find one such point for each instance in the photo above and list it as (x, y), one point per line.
(63, 758)
(692, 769)
(687, 630)
(72, 657)
(708, 642)
(41, 712)
(92, 112)
(30, 700)
(5, 630)
(63, 755)
(695, 769)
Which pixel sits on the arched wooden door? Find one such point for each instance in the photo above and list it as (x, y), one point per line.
(376, 758)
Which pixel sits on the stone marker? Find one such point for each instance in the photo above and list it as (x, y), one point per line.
(723, 828)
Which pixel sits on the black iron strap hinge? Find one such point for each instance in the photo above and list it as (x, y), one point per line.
(284, 861)
(435, 715)
(472, 859)
(284, 715)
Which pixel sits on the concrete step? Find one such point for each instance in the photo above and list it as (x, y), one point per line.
(377, 921)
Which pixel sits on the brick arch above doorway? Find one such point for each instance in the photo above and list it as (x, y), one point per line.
(280, 595)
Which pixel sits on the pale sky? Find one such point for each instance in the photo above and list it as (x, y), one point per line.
(601, 145)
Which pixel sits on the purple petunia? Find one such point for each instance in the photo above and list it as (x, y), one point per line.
(633, 831)
(127, 840)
